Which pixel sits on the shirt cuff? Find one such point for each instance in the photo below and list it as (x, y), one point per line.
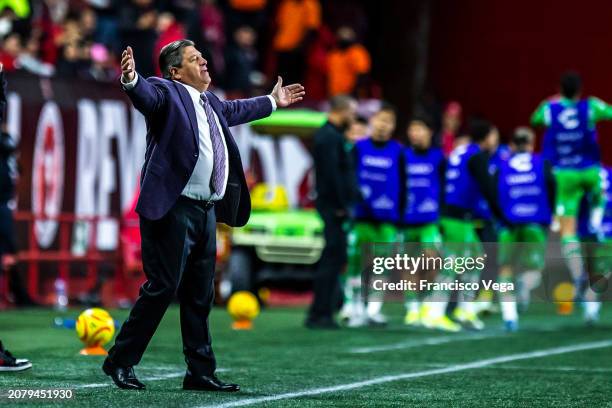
(129, 85)
(273, 102)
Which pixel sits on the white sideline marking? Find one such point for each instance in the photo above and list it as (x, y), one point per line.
(428, 341)
(405, 376)
(557, 368)
(145, 380)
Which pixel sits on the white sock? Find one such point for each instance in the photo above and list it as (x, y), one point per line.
(531, 279)
(374, 308)
(436, 309)
(573, 259)
(508, 309)
(413, 306)
(358, 309)
(528, 281)
(596, 218)
(591, 310)
(590, 295)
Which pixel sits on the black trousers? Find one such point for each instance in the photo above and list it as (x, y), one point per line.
(326, 285)
(178, 255)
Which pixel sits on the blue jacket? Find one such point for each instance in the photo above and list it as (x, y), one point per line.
(172, 147)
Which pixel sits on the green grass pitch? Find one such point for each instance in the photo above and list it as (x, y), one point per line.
(553, 361)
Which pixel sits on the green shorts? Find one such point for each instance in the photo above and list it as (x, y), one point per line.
(523, 246)
(365, 233)
(426, 234)
(460, 238)
(573, 184)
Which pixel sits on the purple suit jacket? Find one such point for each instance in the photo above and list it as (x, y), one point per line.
(172, 147)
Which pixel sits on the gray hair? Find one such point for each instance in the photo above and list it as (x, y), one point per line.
(341, 102)
(172, 56)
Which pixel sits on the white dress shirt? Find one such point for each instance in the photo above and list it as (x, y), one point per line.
(198, 186)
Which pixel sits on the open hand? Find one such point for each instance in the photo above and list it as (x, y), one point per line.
(128, 66)
(286, 95)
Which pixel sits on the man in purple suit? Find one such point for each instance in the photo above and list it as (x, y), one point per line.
(192, 178)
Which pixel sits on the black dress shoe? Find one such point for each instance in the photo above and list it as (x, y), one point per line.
(207, 383)
(124, 377)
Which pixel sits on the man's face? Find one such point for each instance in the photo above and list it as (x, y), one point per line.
(348, 115)
(492, 140)
(419, 135)
(382, 125)
(193, 70)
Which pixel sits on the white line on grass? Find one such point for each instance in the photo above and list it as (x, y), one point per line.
(557, 368)
(427, 341)
(405, 376)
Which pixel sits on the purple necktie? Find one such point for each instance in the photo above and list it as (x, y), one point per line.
(218, 173)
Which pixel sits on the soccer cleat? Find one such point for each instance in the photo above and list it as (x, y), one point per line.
(10, 363)
(357, 320)
(511, 326)
(412, 318)
(440, 323)
(377, 319)
(468, 319)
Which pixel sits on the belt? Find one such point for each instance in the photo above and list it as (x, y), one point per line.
(205, 204)
(208, 204)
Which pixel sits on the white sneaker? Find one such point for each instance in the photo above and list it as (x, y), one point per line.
(357, 320)
(346, 312)
(377, 319)
(468, 319)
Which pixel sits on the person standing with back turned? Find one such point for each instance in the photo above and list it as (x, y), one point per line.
(335, 192)
(192, 178)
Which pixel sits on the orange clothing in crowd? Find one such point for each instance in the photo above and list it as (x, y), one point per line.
(248, 5)
(344, 66)
(295, 18)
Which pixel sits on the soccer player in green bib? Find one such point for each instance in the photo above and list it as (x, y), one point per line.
(378, 163)
(424, 177)
(526, 195)
(597, 248)
(570, 144)
(468, 195)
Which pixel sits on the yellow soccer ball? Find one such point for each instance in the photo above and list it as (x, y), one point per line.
(95, 327)
(243, 305)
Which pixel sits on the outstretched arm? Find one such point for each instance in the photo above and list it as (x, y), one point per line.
(241, 111)
(147, 98)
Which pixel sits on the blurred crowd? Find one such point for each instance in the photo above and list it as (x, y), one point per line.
(246, 42)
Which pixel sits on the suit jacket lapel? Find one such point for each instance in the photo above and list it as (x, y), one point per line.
(188, 103)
